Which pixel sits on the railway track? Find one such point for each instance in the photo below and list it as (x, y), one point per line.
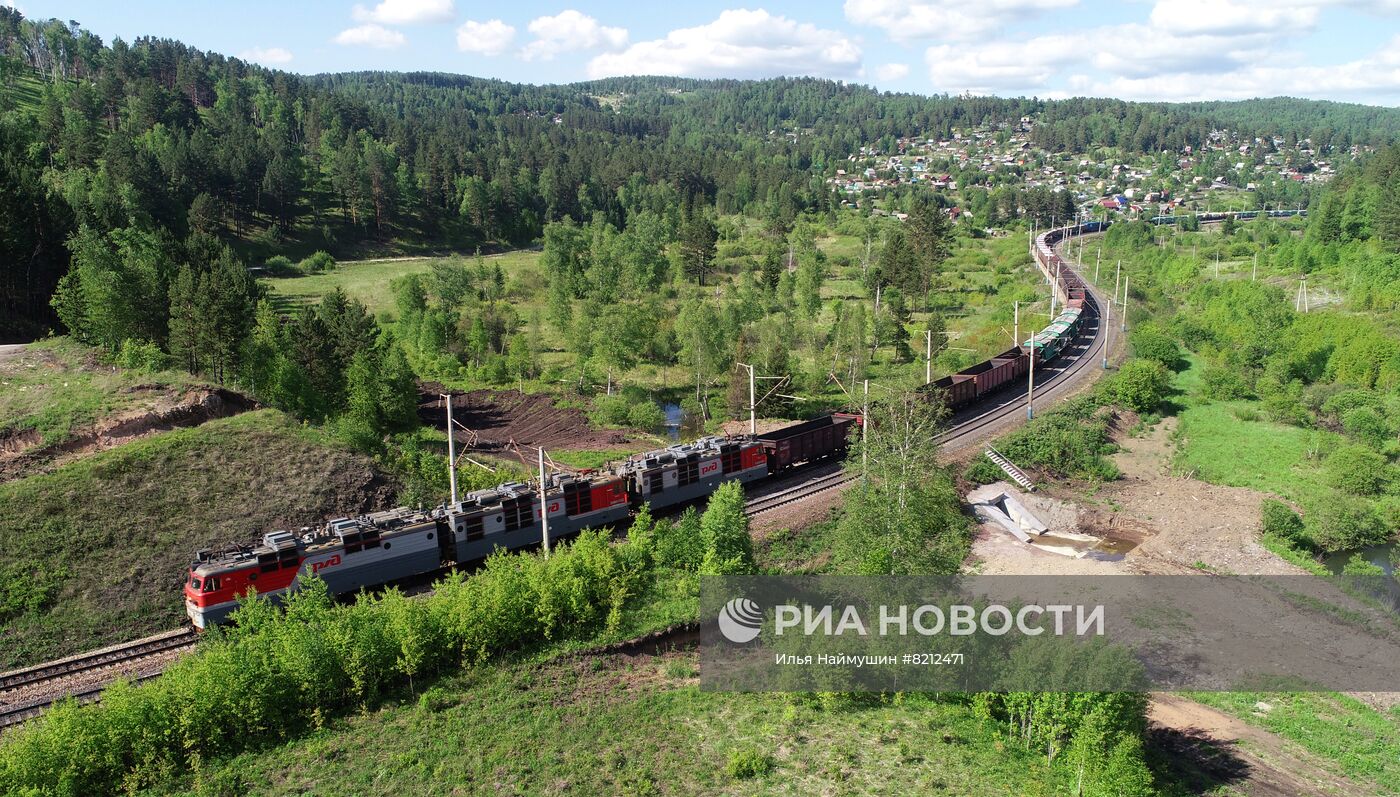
(820, 484)
(23, 693)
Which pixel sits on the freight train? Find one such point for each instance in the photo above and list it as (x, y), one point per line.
(1244, 215)
(976, 382)
(352, 553)
(349, 554)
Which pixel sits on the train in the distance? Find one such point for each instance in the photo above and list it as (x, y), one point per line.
(353, 553)
(975, 382)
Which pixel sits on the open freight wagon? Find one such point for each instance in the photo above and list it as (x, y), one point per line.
(807, 442)
(965, 386)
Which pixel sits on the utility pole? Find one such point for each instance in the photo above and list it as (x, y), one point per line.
(1125, 304)
(451, 449)
(865, 425)
(1254, 276)
(544, 507)
(1107, 334)
(753, 419)
(1054, 287)
(1030, 385)
(928, 356)
(1016, 323)
(1096, 267)
(1116, 276)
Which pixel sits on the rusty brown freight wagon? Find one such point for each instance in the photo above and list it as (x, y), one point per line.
(807, 442)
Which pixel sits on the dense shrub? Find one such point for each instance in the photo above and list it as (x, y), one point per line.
(279, 673)
(1151, 342)
(725, 530)
(1223, 383)
(141, 356)
(679, 544)
(1069, 442)
(1140, 385)
(280, 266)
(1357, 470)
(1367, 425)
(1278, 521)
(317, 262)
(1344, 523)
(645, 415)
(609, 411)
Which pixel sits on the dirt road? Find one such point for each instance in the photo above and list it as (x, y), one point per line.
(1185, 524)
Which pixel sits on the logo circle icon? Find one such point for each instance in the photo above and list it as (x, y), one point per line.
(740, 621)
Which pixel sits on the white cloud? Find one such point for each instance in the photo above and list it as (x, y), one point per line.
(1232, 17)
(890, 72)
(905, 20)
(406, 12)
(267, 55)
(1002, 67)
(491, 37)
(1374, 78)
(568, 31)
(740, 43)
(376, 36)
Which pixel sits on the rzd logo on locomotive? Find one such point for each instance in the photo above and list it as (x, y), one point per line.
(317, 567)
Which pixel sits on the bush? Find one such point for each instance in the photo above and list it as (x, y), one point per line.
(746, 764)
(280, 266)
(1357, 470)
(609, 411)
(1140, 385)
(1068, 442)
(1278, 521)
(1367, 425)
(1223, 384)
(319, 261)
(1343, 524)
(136, 355)
(1359, 565)
(645, 415)
(982, 471)
(1150, 342)
(679, 544)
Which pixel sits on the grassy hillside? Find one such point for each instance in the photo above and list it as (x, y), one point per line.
(638, 725)
(368, 280)
(55, 387)
(95, 552)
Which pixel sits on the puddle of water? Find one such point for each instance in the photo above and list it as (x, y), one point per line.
(1379, 555)
(678, 423)
(1102, 549)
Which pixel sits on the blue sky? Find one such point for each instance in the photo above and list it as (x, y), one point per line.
(1169, 49)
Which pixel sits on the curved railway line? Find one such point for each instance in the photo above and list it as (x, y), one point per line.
(25, 693)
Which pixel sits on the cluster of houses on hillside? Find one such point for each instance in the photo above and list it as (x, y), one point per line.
(1005, 155)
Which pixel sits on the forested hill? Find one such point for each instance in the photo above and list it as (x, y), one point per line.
(135, 162)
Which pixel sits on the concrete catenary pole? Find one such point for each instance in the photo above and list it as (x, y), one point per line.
(544, 507)
(1107, 334)
(451, 449)
(1030, 385)
(928, 356)
(1125, 305)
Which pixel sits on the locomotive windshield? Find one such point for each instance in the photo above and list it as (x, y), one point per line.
(195, 583)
